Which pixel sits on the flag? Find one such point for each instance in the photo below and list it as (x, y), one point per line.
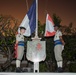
(29, 21)
(49, 29)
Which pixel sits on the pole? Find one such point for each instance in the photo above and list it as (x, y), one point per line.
(36, 67)
(36, 32)
(36, 64)
(27, 5)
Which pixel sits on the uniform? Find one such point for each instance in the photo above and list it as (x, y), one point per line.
(58, 50)
(20, 48)
(20, 51)
(58, 46)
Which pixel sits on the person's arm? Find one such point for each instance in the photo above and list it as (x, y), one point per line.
(16, 40)
(61, 39)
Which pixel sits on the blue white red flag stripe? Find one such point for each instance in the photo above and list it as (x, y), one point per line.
(29, 21)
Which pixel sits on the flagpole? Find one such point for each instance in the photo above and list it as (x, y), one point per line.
(36, 64)
(36, 32)
(27, 5)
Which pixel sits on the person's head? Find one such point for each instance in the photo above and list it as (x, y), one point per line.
(22, 30)
(56, 27)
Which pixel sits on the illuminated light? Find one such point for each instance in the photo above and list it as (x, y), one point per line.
(36, 60)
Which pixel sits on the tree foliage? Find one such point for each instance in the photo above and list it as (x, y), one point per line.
(8, 29)
(56, 19)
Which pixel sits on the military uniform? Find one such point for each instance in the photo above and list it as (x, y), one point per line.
(58, 50)
(58, 46)
(20, 48)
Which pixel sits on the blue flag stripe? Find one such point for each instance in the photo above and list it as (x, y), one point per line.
(32, 17)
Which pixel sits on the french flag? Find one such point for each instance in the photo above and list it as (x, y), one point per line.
(49, 29)
(29, 21)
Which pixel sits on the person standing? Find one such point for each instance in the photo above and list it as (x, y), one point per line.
(58, 48)
(20, 48)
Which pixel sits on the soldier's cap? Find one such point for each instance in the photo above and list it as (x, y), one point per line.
(57, 25)
(23, 28)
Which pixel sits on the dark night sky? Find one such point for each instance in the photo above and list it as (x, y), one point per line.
(65, 9)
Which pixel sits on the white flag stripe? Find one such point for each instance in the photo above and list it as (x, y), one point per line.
(25, 24)
(49, 26)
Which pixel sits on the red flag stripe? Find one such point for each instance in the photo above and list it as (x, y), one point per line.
(50, 34)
